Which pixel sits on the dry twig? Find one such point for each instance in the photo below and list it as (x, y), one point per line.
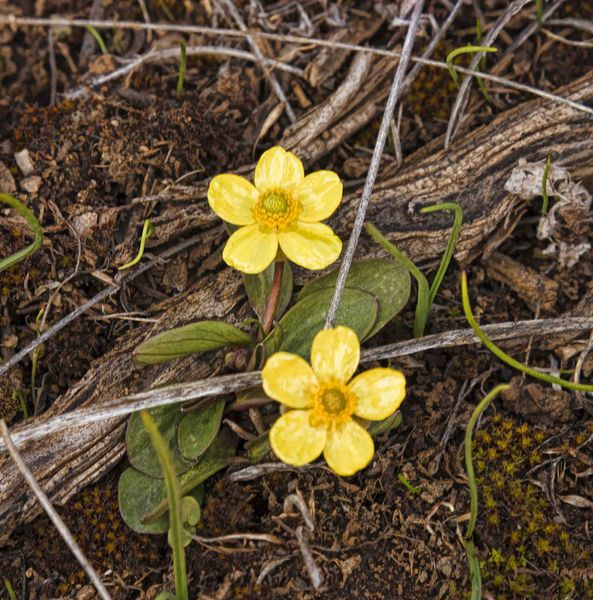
(394, 95)
(52, 513)
(225, 384)
(463, 93)
(14, 21)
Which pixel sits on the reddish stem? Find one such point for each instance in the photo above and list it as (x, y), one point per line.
(272, 305)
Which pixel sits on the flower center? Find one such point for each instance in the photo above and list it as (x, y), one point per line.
(333, 403)
(276, 209)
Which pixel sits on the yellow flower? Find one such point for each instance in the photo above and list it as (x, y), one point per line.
(324, 403)
(283, 209)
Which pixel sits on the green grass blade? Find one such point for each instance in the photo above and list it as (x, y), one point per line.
(182, 67)
(464, 50)
(472, 557)
(422, 305)
(545, 185)
(33, 223)
(174, 499)
(451, 244)
(515, 364)
(9, 589)
(147, 231)
(98, 38)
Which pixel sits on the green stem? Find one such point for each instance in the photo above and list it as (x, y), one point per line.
(479, 80)
(422, 305)
(33, 223)
(464, 50)
(539, 12)
(474, 569)
(186, 487)
(545, 185)
(472, 557)
(274, 298)
(98, 38)
(35, 360)
(182, 67)
(147, 231)
(174, 500)
(581, 387)
(450, 249)
(469, 465)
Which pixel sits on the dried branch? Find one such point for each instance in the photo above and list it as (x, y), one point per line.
(154, 56)
(276, 87)
(226, 384)
(102, 295)
(374, 166)
(463, 94)
(14, 21)
(52, 513)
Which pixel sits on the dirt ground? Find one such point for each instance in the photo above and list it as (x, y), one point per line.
(393, 531)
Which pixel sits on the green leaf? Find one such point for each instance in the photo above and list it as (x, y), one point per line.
(297, 328)
(258, 289)
(259, 447)
(141, 453)
(391, 422)
(198, 429)
(139, 494)
(214, 459)
(194, 338)
(386, 280)
(166, 596)
(190, 517)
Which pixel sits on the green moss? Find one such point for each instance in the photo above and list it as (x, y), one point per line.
(94, 519)
(524, 549)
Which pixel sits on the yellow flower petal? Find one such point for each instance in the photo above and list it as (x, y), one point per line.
(250, 250)
(278, 169)
(310, 245)
(289, 379)
(335, 354)
(319, 195)
(293, 439)
(232, 198)
(348, 448)
(379, 393)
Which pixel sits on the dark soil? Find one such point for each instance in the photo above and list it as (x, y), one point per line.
(393, 531)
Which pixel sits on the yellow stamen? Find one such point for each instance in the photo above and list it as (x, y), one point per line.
(276, 209)
(333, 404)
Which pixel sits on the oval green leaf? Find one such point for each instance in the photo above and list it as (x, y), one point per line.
(214, 459)
(297, 328)
(258, 289)
(203, 336)
(138, 495)
(141, 452)
(198, 429)
(386, 280)
(190, 516)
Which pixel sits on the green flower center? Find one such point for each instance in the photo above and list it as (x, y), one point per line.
(333, 403)
(276, 208)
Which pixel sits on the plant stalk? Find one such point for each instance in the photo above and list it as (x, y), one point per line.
(272, 305)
